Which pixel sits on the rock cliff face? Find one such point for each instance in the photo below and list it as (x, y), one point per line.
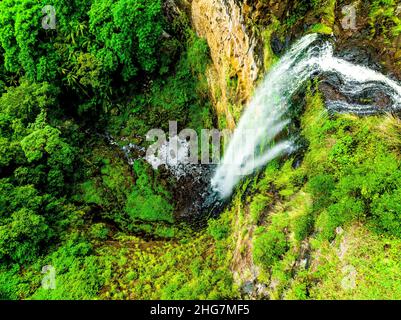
(234, 49)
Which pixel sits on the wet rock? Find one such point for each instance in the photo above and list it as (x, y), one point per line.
(195, 200)
(234, 48)
(276, 45)
(360, 56)
(303, 261)
(339, 230)
(248, 288)
(371, 98)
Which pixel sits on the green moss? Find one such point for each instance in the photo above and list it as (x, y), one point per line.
(259, 203)
(268, 246)
(148, 201)
(99, 231)
(321, 28)
(91, 194)
(358, 265)
(269, 57)
(383, 14)
(195, 268)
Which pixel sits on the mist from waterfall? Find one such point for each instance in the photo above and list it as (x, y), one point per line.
(254, 142)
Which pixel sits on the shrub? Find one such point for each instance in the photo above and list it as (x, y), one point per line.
(217, 229)
(302, 225)
(321, 187)
(387, 209)
(268, 246)
(259, 203)
(99, 231)
(148, 201)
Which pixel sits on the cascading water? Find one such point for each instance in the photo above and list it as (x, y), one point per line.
(251, 145)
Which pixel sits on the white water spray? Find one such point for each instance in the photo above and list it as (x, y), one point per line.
(251, 145)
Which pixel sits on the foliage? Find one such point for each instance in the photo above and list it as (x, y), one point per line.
(321, 28)
(218, 229)
(78, 275)
(383, 18)
(269, 246)
(349, 178)
(99, 231)
(63, 189)
(97, 45)
(151, 270)
(367, 269)
(148, 201)
(259, 203)
(126, 33)
(181, 96)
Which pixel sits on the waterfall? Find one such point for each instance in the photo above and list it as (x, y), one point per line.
(254, 142)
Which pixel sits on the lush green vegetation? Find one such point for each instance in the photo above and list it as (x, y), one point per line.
(67, 196)
(384, 18)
